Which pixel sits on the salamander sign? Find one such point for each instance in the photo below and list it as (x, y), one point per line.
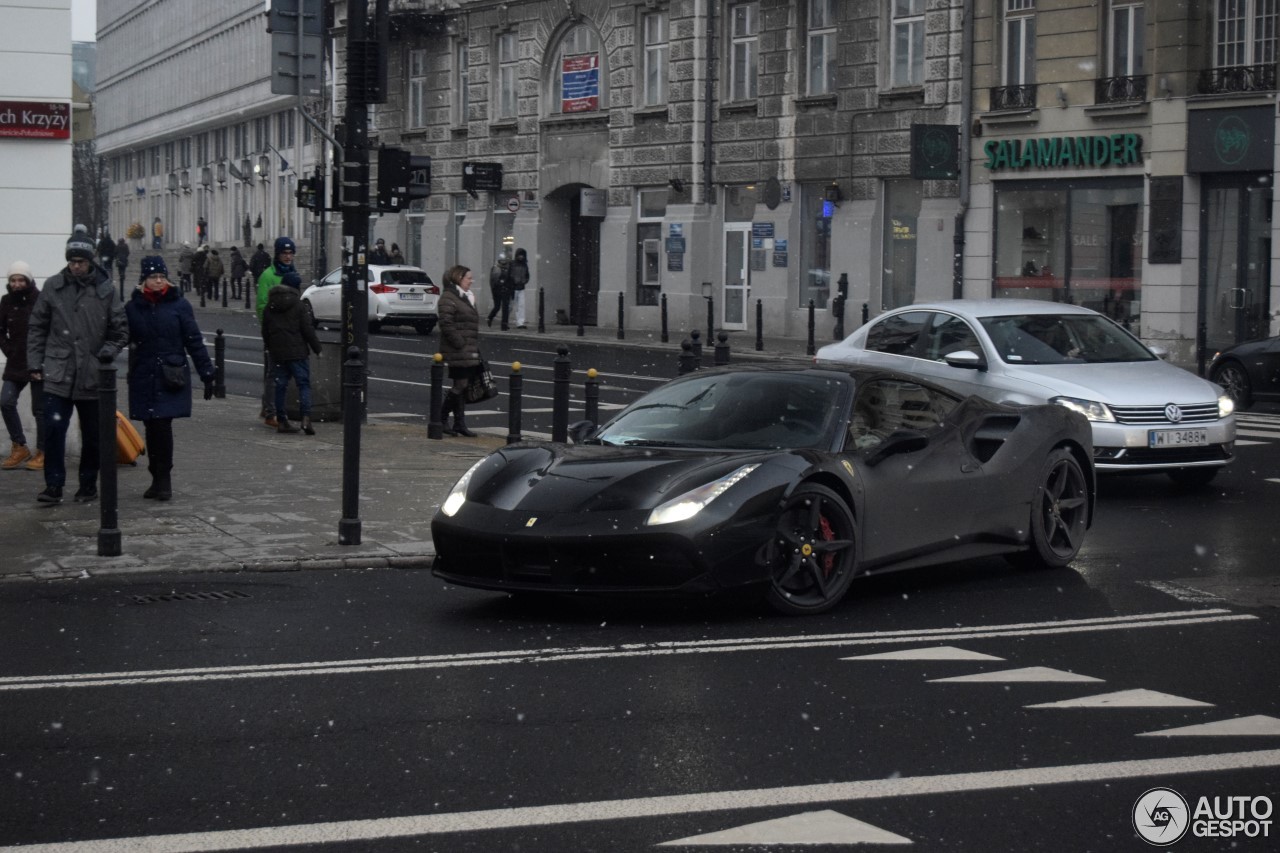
(1056, 152)
(35, 120)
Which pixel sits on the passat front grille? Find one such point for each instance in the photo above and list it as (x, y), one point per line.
(1192, 413)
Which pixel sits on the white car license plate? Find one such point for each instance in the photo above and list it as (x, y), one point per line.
(412, 297)
(1177, 438)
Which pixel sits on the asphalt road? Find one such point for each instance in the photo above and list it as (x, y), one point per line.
(385, 711)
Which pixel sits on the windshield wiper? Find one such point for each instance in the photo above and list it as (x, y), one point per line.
(651, 442)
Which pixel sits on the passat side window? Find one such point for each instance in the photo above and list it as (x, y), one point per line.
(898, 334)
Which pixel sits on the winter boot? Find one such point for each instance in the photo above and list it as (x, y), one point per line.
(449, 404)
(36, 463)
(283, 425)
(17, 456)
(306, 425)
(460, 420)
(161, 488)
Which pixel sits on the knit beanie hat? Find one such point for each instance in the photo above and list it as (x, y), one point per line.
(284, 244)
(80, 245)
(23, 269)
(151, 265)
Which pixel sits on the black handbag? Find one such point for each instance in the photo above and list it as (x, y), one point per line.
(174, 376)
(483, 387)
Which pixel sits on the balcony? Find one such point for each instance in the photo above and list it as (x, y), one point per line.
(1013, 97)
(1120, 90)
(1239, 78)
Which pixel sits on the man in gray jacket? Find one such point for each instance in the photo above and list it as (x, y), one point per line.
(77, 319)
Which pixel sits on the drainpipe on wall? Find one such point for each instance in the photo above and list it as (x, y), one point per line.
(966, 113)
(708, 95)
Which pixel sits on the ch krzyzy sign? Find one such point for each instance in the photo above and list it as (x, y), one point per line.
(35, 120)
(1056, 152)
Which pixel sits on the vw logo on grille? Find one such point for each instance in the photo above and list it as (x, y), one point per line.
(1173, 413)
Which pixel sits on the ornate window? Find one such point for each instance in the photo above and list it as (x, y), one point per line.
(461, 83)
(1244, 47)
(656, 49)
(507, 76)
(417, 100)
(821, 47)
(744, 50)
(578, 74)
(1125, 38)
(907, 44)
(1018, 67)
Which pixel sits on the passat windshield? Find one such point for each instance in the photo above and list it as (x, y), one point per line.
(1063, 339)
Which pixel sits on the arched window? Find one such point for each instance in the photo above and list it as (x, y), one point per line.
(578, 78)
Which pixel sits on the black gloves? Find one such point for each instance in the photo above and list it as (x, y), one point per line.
(108, 352)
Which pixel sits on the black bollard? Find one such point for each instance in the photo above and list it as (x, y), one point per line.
(515, 398)
(759, 325)
(711, 320)
(622, 335)
(220, 365)
(352, 411)
(866, 313)
(722, 349)
(542, 310)
(248, 292)
(581, 330)
(435, 426)
(202, 297)
(686, 357)
(696, 335)
(810, 349)
(838, 308)
(591, 397)
(560, 395)
(664, 318)
(109, 526)
(224, 293)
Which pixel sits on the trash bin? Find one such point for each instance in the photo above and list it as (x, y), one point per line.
(326, 385)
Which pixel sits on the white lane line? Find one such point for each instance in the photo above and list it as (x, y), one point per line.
(935, 653)
(1258, 724)
(1026, 674)
(1244, 442)
(665, 806)
(1184, 593)
(821, 827)
(376, 665)
(1255, 433)
(1139, 698)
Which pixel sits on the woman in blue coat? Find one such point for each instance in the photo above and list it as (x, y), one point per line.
(162, 333)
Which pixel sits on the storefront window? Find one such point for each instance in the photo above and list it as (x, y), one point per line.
(815, 245)
(1080, 244)
(652, 211)
(901, 223)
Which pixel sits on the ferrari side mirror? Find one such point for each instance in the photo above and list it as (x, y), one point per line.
(579, 430)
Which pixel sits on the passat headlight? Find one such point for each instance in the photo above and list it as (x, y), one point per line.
(1225, 405)
(458, 494)
(693, 501)
(1091, 409)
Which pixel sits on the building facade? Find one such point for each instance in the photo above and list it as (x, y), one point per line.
(196, 145)
(35, 135)
(1123, 156)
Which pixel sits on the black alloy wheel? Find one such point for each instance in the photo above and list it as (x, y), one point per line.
(1059, 514)
(1234, 379)
(811, 556)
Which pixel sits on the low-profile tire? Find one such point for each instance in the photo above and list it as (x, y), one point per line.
(812, 554)
(1059, 514)
(424, 327)
(1234, 379)
(1193, 478)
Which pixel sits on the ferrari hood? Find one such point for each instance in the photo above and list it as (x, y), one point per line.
(592, 478)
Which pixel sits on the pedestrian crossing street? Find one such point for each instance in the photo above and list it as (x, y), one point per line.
(1256, 428)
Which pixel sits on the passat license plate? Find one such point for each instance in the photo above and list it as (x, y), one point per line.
(412, 297)
(1177, 438)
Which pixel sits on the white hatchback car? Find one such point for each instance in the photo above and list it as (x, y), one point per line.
(1147, 414)
(398, 296)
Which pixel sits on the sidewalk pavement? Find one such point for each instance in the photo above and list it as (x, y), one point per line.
(248, 498)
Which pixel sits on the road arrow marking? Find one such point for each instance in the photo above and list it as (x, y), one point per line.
(1128, 699)
(1028, 673)
(1259, 724)
(824, 827)
(935, 653)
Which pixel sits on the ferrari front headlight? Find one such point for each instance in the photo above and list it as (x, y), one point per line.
(458, 494)
(692, 502)
(1091, 409)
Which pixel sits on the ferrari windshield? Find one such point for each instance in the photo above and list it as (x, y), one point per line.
(749, 411)
(1062, 339)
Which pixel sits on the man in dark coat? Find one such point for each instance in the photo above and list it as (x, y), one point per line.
(162, 327)
(288, 332)
(77, 320)
(378, 254)
(106, 251)
(259, 262)
(122, 259)
(239, 267)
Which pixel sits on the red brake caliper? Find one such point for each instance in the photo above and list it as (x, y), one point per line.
(829, 560)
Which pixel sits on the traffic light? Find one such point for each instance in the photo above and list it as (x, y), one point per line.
(310, 193)
(402, 177)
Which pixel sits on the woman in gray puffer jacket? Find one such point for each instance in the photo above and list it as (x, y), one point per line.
(459, 344)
